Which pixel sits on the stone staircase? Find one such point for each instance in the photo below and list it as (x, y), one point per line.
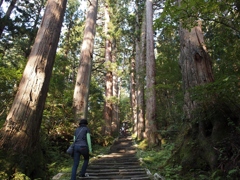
(120, 163)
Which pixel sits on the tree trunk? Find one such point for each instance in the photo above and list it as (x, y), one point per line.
(133, 93)
(6, 17)
(109, 76)
(21, 129)
(133, 80)
(196, 70)
(150, 71)
(141, 73)
(195, 64)
(137, 57)
(115, 120)
(81, 91)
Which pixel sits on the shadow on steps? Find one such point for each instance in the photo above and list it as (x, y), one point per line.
(120, 163)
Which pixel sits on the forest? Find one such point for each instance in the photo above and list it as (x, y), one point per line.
(167, 68)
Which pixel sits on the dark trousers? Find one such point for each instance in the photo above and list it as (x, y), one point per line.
(78, 151)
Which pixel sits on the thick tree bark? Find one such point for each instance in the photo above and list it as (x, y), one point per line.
(137, 57)
(81, 91)
(133, 93)
(21, 129)
(109, 76)
(150, 123)
(7, 15)
(195, 64)
(108, 103)
(115, 120)
(196, 70)
(141, 73)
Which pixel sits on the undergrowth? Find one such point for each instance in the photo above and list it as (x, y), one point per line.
(160, 160)
(155, 160)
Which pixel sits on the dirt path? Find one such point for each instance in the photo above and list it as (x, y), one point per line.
(120, 163)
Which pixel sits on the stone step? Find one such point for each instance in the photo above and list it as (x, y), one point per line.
(116, 160)
(115, 170)
(117, 163)
(117, 173)
(120, 164)
(111, 167)
(116, 178)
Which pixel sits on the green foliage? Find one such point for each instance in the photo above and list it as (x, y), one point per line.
(157, 160)
(169, 93)
(225, 90)
(124, 105)
(20, 176)
(233, 173)
(9, 79)
(22, 166)
(21, 28)
(59, 161)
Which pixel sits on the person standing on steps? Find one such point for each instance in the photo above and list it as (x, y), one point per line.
(82, 147)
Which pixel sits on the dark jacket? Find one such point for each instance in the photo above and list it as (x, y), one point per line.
(82, 137)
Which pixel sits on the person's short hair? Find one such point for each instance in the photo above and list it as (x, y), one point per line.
(83, 121)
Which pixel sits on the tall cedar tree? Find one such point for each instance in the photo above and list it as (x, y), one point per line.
(133, 91)
(21, 129)
(150, 123)
(137, 57)
(109, 75)
(115, 120)
(140, 69)
(81, 91)
(196, 69)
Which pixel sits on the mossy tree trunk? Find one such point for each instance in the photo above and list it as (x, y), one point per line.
(196, 70)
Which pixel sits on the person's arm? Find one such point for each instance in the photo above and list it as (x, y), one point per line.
(74, 136)
(89, 142)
